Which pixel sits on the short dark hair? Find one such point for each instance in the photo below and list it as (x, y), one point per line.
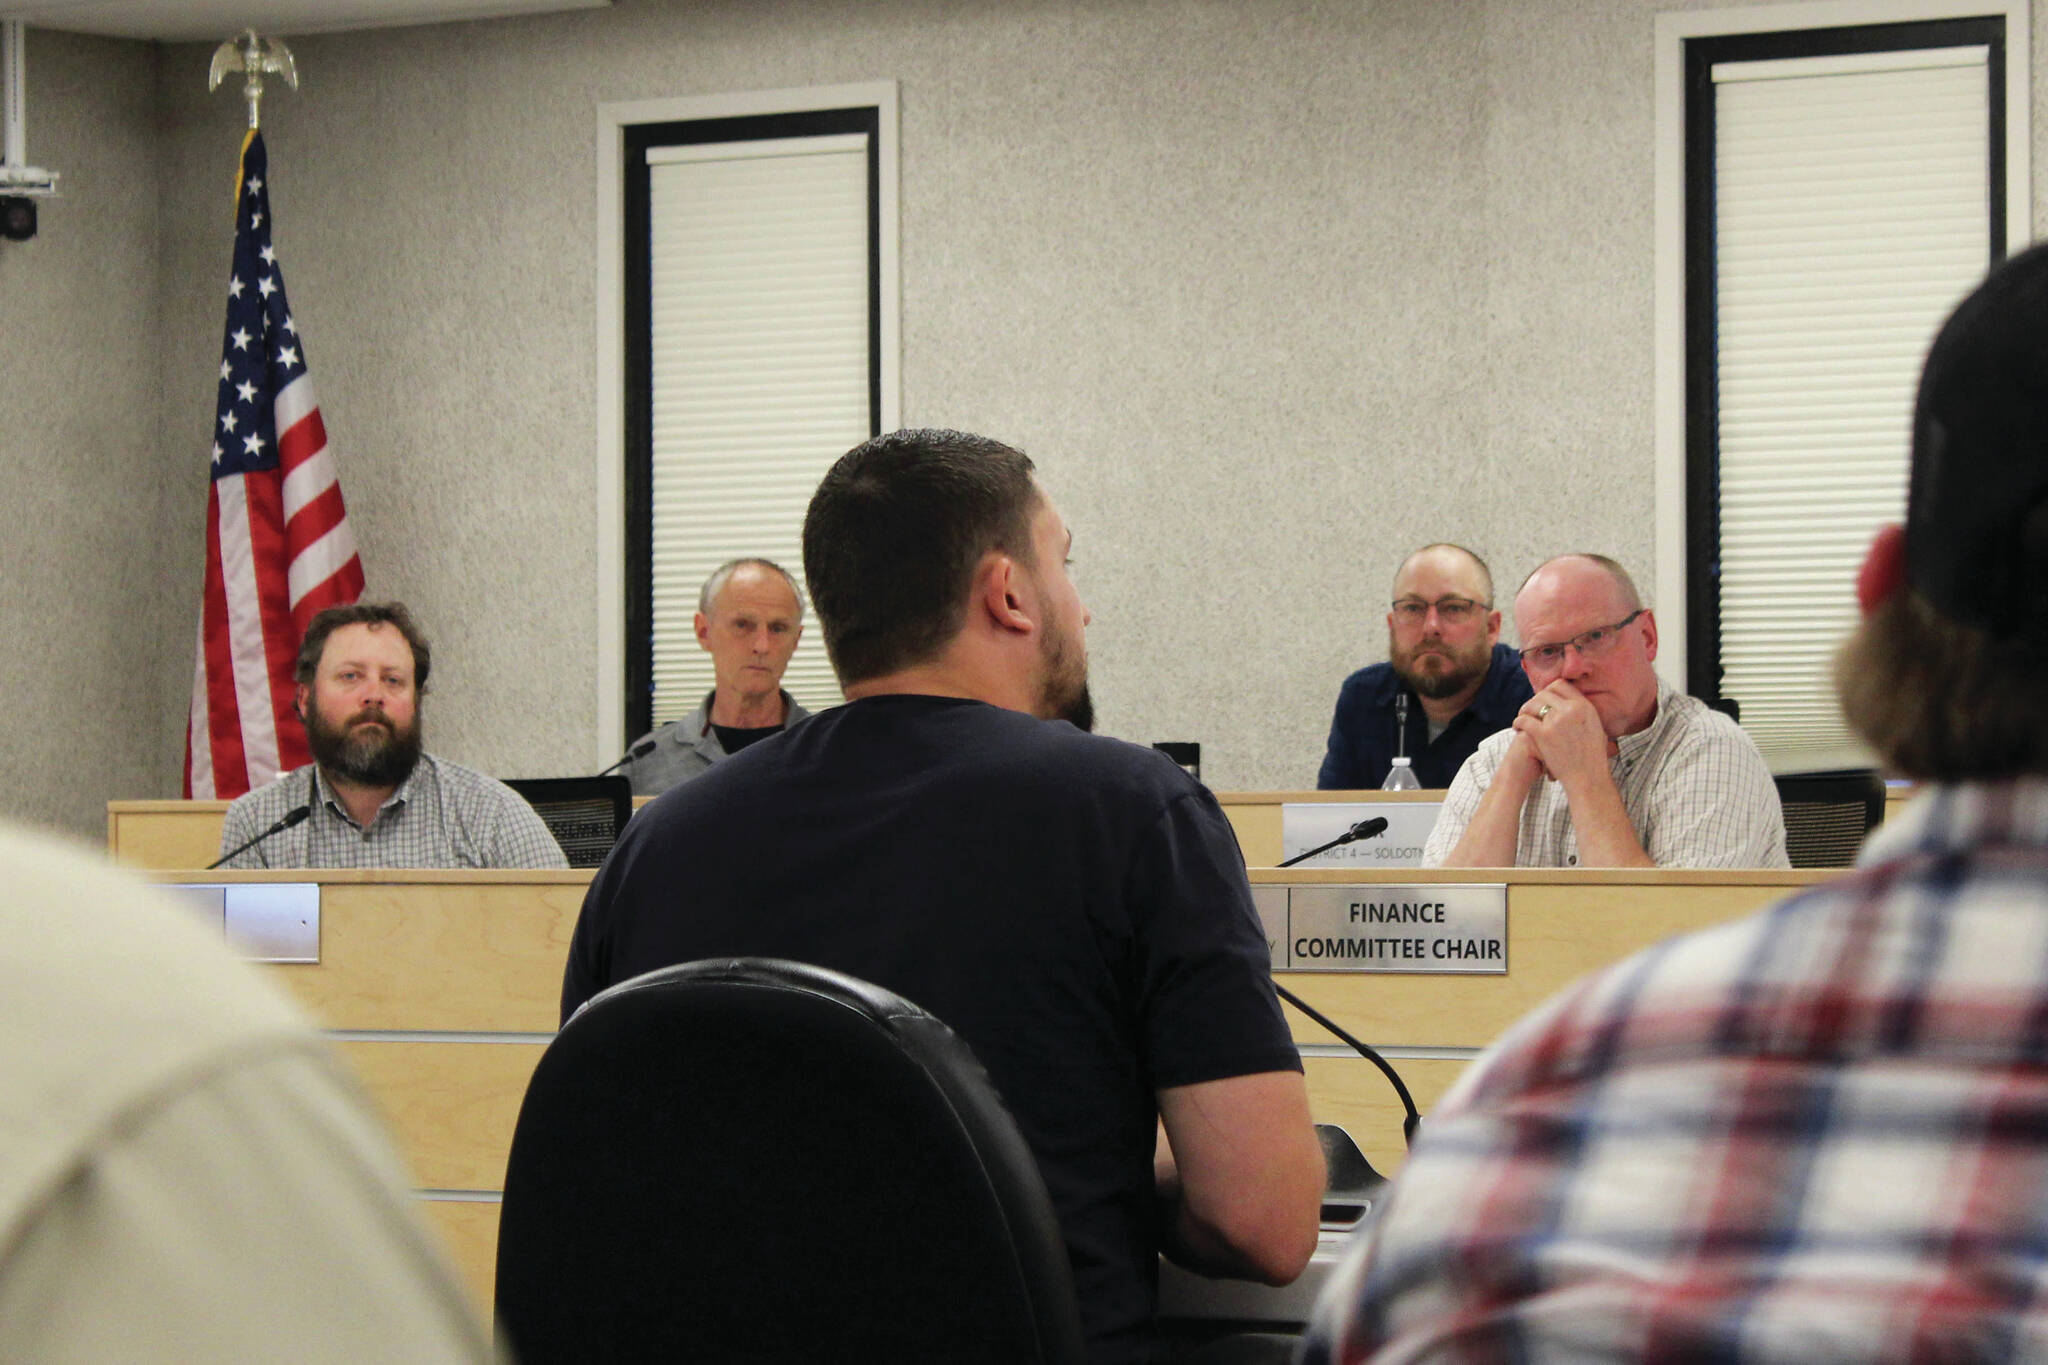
(1943, 701)
(391, 614)
(893, 537)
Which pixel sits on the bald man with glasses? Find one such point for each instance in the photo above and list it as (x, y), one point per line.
(1606, 765)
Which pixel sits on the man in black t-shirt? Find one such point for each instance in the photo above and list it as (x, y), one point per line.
(1074, 907)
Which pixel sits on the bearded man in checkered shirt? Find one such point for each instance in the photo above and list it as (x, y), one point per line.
(1820, 1133)
(372, 797)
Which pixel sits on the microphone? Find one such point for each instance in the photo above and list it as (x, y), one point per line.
(638, 751)
(291, 817)
(1401, 724)
(1364, 829)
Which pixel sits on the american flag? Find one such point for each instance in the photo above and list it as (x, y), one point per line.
(278, 545)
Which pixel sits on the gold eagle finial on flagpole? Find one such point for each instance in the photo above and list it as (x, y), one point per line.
(255, 57)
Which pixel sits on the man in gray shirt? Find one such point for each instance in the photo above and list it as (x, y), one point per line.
(372, 798)
(749, 618)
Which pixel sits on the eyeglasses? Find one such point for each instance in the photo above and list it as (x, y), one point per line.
(1452, 611)
(1591, 645)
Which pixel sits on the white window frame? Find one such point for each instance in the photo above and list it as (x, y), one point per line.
(1673, 30)
(612, 121)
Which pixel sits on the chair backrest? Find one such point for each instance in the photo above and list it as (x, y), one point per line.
(585, 814)
(749, 1159)
(1828, 814)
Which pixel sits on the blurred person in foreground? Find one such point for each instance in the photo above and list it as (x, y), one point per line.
(186, 1171)
(1819, 1133)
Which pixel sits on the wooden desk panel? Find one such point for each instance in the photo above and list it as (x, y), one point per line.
(156, 834)
(445, 987)
(469, 1234)
(477, 954)
(1561, 925)
(171, 834)
(451, 1105)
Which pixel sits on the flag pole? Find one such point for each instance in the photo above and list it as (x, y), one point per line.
(278, 544)
(255, 57)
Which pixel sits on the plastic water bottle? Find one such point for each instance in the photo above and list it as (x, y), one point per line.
(1401, 777)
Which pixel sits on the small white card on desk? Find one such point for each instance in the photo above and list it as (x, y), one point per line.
(1305, 824)
(261, 921)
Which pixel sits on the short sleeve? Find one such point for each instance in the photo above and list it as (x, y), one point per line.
(1207, 1009)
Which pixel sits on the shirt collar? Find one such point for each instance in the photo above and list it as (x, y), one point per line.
(323, 792)
(1631, 747)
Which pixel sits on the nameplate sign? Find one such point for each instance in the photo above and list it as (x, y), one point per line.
(1432, 929)
(1307, 824)
(260, 921)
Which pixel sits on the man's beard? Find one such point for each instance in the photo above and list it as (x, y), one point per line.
(1065, 692)
(365, 755)
(1462, 671)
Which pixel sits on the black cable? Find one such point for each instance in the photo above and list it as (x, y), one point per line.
(1408, 1124)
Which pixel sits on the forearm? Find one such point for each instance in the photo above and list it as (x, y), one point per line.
(1242, 1196)
(1199, 1244)
(1490, 839)
(1606, 836)
(1185, 1239)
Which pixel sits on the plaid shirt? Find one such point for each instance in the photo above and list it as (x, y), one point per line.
(443, 815)
(1695, 788)
(1819, 1133)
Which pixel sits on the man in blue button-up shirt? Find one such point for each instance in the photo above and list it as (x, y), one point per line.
(1447, 684)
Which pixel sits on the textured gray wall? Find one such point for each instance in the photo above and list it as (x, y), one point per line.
(81, 474)
(1272, 289)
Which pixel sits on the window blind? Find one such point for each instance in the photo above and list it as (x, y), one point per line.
(1851, 212)
(760, 352)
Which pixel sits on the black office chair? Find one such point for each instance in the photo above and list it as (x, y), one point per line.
(585, 814)
(748, 1159)
(1828, 814)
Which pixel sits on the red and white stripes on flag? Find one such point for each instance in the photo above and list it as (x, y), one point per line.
(278, 545)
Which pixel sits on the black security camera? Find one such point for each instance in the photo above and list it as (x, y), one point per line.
(17, 217)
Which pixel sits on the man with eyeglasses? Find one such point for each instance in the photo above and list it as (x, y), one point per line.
(1606, 765)
(1447, 684)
